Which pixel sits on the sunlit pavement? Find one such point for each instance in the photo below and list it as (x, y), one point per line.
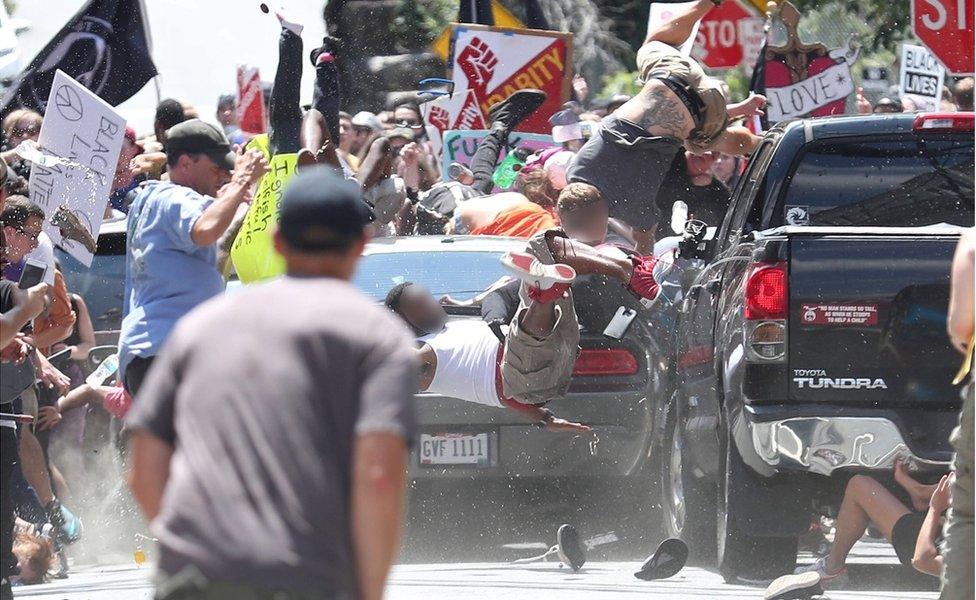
(874, 576)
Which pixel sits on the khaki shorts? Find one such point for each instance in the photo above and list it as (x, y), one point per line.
(658, 56)
(536, 371)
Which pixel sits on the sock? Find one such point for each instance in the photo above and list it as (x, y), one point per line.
(288, 23)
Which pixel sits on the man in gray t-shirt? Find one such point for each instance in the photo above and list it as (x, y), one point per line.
(271, 435)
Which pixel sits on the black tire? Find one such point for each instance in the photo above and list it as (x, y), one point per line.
(687, 503)
(739, 555)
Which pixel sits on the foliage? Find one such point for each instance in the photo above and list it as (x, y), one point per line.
(419, 22)
(885, 23)
(623, 82)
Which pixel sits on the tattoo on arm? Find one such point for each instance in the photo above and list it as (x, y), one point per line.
(663, 112)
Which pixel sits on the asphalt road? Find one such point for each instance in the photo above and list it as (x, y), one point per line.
(460, 539)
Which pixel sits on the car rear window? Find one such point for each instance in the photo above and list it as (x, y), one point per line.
(907, 181)
(458, 274)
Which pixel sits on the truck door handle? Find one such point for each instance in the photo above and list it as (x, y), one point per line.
(712, 287)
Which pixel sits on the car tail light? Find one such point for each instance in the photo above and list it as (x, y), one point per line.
(615, 361)
(766, 292)
(945, 122)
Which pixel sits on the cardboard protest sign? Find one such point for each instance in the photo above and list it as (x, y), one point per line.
(458, 112)
(460, 146)
(922, 76)
(250, 100)
(494, 62)
(806, 79)
(86, 134)
(253, 251)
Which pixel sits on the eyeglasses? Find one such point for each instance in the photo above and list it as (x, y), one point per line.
(362, 129)
(30, 235)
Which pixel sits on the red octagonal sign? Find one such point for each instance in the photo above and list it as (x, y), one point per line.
(946, 28)
(723, 35)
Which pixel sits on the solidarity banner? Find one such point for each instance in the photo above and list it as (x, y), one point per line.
(460, 146)
(922, 76)
(86, 133)
(250, 100)
(494, 62)
(253, 251)
(458, 112)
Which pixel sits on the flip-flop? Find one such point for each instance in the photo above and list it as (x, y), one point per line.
(669, 558)
(570, 548)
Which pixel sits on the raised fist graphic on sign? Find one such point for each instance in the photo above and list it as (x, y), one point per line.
(478, 62)
(440, 118)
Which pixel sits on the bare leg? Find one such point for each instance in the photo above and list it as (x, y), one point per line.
(865, 500)
(316, 139)
(377, 164)
(679, 28)
(538, 319)
(586, 260)
(35, 467)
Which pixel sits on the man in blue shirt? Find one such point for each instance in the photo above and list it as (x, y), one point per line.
(171, 259)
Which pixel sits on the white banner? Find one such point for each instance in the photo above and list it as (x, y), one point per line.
(830, 85)
(921, 77)
(84, 130)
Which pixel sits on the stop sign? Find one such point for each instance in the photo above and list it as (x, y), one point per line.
(724, 32)
(946, 28)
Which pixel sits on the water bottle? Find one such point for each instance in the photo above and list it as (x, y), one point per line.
(106, 369)
(679, 216)
(509, 168)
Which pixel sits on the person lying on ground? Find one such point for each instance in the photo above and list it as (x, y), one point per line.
(678, 107)
(911, 530)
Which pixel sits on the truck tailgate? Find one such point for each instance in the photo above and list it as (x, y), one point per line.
(867, 320)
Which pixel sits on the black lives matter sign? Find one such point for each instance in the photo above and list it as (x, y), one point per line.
(922, 76)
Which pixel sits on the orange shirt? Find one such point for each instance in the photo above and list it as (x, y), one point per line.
(520, 221)
(59, 313)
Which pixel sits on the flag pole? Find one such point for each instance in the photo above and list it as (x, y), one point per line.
(145, 27)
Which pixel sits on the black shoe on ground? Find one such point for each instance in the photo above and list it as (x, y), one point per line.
(570, 548)
(799, 586)
(513, 110)
(669, 558)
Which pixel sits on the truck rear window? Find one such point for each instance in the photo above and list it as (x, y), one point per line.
(908, 181)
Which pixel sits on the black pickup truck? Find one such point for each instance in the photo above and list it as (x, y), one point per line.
(811, 342)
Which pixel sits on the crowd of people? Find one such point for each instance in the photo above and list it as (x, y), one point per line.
(195, 373)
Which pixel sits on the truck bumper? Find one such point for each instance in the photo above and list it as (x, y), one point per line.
(824, 444)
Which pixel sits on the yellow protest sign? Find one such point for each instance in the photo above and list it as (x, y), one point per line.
(503, 18)
(253, 251)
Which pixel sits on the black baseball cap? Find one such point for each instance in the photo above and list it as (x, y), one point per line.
(322, 211)
(198, 137)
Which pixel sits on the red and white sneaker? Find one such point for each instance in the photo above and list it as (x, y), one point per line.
(545, 283)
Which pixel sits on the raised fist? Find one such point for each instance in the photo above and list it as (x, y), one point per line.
(478, 63)
(440, 118)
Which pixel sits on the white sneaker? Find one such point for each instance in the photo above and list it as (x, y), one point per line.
(526, 267)
(826, 579)
(791, 587)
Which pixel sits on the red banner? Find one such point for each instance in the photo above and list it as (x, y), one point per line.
(250, 100)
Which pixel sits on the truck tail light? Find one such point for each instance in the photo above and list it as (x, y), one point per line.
(961, 121)
(614, 361)
(766, 310)
(766, 292)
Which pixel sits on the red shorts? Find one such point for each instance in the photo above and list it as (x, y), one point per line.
(117, 402)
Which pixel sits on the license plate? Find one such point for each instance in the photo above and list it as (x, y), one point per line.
(457, 449)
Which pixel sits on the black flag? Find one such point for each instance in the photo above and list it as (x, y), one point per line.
(103, 47)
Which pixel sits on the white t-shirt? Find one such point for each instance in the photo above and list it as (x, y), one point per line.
(467, 361)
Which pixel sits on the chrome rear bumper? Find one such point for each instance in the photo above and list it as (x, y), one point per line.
(822, 445)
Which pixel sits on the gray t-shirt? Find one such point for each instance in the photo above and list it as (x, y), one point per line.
(262, 394)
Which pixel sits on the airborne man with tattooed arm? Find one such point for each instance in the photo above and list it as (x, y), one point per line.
(678, 106)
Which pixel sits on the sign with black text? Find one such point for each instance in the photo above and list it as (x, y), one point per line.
(85, 134)
(922, 76)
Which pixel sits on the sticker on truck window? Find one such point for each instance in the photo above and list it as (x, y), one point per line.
(839, 314)
(798, 215)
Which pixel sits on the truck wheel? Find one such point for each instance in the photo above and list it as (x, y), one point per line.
(742, 556)
(688, 504)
